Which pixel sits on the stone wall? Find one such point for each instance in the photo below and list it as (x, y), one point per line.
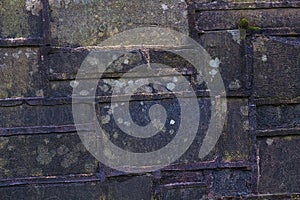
(43, 43)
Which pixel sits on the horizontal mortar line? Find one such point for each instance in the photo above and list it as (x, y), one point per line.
(278, 132)
(258, 196)
(78, 178)
(114, 75)
(285, 31)
(37, 130)
(245, 165)
(183, 185)
(127, 47)
(272, 101)
(44, 101)
(210, 165)
(15, 42)
(200, 7)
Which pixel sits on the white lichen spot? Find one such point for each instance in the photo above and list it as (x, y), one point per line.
(213, 72)
(171, 86)
(116, 135)
(172, 122)
(244, 110)
(215, 63)
(127, 124)
(269, 141)
(84, 93)
(235, 85)
(35, 6)
(175, 79)
(264, 58)
(16, 55)
(236, 35)
(74, 84)
(164, 6)
(120, 120)
(171, 132)
(27, 55)
(105, 119)
(126, 62)
(39, 93)
(51, 70)
(246, 125)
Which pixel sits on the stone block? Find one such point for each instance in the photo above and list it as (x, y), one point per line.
(20, 73)
(44, 155)
(21, 18)
(87, 23)
(279, 165)
(276, 67)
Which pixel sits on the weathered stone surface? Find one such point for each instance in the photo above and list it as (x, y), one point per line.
(226, 46)
(87, 23)
(184, 192)
(232, 182)
(91, 191)
(130, 188)
(263, 18)
(276, 67)
(20, 18)
(235, 142)
(281, 116)
(279, 164)
(44, 155)
(24, 116)
(20, 74)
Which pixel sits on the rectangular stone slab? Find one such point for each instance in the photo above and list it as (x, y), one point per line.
(276, 67)
(20, 18)
(20, 73)
(44, 155)
(263, 18)
(87, 23)
(279, 165)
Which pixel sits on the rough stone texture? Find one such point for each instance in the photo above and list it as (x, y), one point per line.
(104, 18)
(184, 192)
(44, 155)
(279, 165)
(21, 116)
(228, 47)
(256, 156)
(20, 74)
(232, 182)
(20, 18)
(264, 18)
(132, 188)
(235, 142)
(276, 72)
(282, 116)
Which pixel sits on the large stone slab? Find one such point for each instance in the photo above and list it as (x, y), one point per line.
(227, 48)
(280, 116)
(128, 188)
(20, 18)
(279, 164)
(44, 155)
(263, 18)
(87, 23)
(20, 73)
(25, 116)
(276, 67)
